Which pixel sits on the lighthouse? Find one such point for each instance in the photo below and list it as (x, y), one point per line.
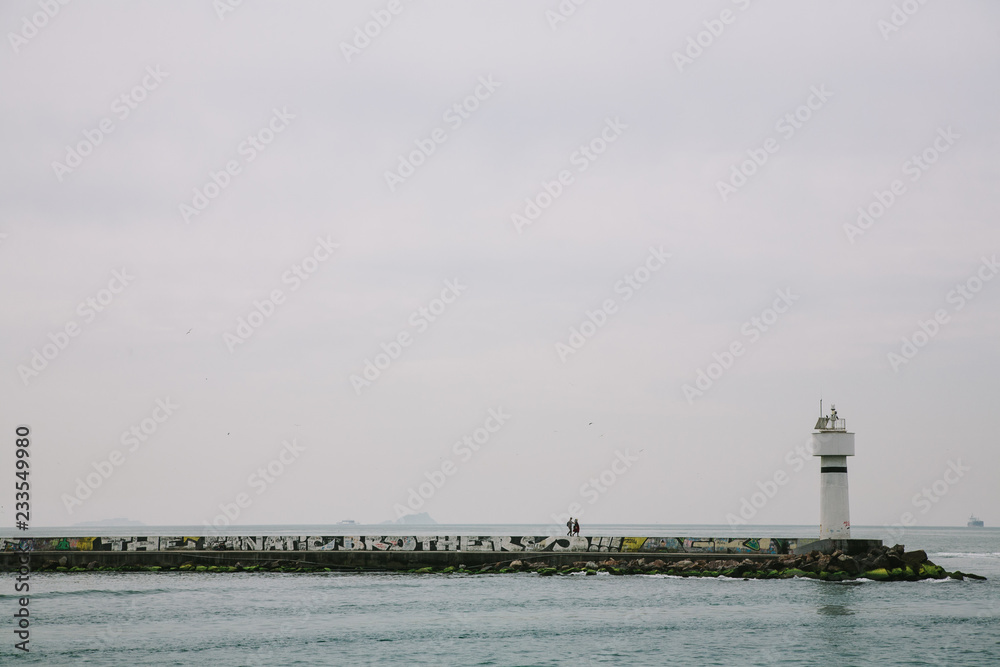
(833, 444)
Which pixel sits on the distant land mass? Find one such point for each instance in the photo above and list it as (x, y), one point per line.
(421, 518)
(120, 521)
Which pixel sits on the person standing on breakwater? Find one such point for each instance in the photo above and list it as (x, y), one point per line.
(576, 528)
(569, 526)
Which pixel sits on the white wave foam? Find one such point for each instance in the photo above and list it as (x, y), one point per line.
(968, 554)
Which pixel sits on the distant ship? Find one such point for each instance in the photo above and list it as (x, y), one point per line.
(349, 522)
(974, 522)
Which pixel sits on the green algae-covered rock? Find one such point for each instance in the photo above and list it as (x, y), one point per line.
(928, 570)
(201, 568)
(155, 568)
(424, 570)
(448, 570)
(187, 566)
(896, 572)
(591, 572)
(62, 569)
(794, 572)
(547, 571)
(878, 574)
(78, 569)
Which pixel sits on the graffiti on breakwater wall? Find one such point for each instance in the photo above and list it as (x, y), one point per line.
(48, 544)
(492, 543)
(764, 545)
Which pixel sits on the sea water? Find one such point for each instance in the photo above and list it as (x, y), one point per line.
(222, 619)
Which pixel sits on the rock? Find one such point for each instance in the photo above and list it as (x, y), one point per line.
(657, 565)
(975, 576)
(590, 565)
(92, 565)
(929, 569)
(517, 564)
(881, 561)
(848, 564)
(956, 575)
(894, 562)
(914, 558)
(63, 561)
(684, 564)
(897, 550)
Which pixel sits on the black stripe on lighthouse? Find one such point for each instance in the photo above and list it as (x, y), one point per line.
(833, 469)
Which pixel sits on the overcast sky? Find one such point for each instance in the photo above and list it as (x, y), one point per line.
(697, 168)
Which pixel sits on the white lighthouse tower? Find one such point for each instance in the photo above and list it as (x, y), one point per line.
(833, 444)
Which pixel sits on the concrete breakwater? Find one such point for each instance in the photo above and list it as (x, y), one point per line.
(422, 543)
(383, 552)
(879, 563)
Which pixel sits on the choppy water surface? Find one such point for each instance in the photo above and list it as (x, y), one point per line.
(519, 619)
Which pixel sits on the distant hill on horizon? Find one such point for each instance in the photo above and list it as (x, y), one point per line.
(420, 518)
